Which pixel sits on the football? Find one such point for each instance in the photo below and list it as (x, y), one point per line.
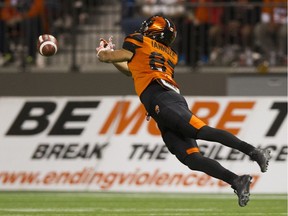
(47, 45)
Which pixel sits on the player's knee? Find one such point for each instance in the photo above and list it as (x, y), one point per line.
(210, 133)
(193, 161)
(205, 132)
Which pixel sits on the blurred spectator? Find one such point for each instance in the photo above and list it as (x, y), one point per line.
(24, 20)
(175, 10)
(54, 11)
(202, 18)
(60, 14)
(8, 31)
(235, 32)
(131, 17)
(271, 33)
(240, 20)
(170, 8)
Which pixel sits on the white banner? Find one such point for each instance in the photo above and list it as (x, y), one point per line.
(105, 143)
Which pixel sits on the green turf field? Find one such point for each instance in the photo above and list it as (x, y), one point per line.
(127, 204)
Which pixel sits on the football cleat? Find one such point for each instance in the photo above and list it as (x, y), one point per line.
(262, 157)
(241, 187)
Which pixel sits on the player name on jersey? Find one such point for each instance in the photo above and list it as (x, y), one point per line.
(163, 48)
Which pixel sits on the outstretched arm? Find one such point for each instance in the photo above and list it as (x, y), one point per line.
(119, 58)
(123, 68)
(110, 56)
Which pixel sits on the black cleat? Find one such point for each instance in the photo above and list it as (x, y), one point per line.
(262, 157)
(241, 187)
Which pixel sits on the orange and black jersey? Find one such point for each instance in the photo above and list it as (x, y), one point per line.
(151, 60)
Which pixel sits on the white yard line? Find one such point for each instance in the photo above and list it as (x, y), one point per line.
(183, 211)
(104, 210)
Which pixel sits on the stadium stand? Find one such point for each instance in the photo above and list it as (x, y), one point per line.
(79, 24)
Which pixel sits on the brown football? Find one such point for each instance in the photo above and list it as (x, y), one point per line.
(47, 45)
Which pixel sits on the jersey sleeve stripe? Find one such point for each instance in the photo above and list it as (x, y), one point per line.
(137, 37)
(130, 46)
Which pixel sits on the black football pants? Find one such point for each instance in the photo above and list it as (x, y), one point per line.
(180, 129)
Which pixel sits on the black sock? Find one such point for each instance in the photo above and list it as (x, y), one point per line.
(211, 167)
(225, 138)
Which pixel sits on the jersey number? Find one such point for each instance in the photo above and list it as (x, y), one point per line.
(157, 62)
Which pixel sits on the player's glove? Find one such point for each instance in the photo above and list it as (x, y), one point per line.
(105, 45)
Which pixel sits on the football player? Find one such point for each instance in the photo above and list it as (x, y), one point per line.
(147, 56)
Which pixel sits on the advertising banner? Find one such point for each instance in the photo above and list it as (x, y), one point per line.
(106, 144)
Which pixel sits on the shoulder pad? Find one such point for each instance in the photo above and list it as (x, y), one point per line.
(136, 36)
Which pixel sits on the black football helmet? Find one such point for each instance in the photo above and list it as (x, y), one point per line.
(160, 29)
